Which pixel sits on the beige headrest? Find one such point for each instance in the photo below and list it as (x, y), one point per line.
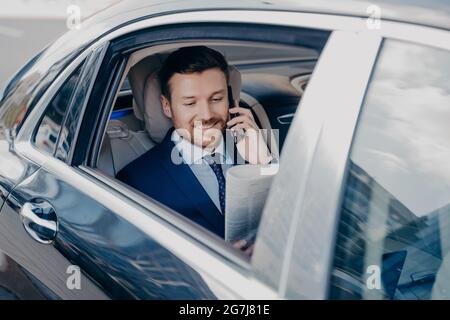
(138, 76)
(148, 106)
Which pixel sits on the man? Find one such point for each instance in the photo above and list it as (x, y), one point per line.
(194, 95)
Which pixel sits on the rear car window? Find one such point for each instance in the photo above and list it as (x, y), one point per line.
(49, 128)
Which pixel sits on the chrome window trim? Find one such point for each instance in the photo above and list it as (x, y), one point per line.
(325, 125)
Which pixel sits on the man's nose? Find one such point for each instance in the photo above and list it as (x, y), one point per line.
(205, 111)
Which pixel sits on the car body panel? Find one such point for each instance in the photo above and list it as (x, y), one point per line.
(16, 283)
(13, 169)
(46, 267)
(123, 261)
(316, 146)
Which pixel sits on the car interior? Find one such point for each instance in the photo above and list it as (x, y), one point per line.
(268, 79)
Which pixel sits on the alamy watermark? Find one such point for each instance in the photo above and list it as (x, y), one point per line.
(252, 147)
(373, 281)
(73, 281)
(73, 21)
(373, 22)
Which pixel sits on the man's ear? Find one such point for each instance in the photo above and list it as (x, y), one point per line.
(165, 106)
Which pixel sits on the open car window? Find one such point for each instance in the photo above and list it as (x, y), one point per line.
(267, 71)
(266, 89)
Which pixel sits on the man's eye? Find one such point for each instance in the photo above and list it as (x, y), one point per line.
(190, 104)
(217, 99)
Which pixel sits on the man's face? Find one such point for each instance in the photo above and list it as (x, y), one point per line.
(198, 106)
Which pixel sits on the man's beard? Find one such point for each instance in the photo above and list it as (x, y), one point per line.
(211, 136)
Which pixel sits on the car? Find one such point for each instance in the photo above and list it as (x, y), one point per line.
(358, 95)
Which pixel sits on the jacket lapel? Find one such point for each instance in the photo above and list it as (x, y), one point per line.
(191, 187)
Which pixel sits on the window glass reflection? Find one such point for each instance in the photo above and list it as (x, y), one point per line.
(50, 126)
(396, 207)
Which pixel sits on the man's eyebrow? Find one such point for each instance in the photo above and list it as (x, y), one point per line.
(215, 92)
(218, 91)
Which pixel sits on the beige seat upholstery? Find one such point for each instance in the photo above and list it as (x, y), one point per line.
(121, 146)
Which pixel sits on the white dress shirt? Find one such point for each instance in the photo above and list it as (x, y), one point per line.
(193, 156)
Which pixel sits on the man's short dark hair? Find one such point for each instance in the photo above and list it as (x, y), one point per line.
(190, 60)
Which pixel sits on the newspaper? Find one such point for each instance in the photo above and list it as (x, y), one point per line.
(247, 187)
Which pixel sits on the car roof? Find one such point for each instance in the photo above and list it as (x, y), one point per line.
(435, 13)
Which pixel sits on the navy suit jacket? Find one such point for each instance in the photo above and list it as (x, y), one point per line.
(174, 185)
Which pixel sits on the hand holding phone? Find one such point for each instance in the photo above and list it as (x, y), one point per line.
(242, 122)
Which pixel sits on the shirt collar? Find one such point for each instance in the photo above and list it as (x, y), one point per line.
(193, 154)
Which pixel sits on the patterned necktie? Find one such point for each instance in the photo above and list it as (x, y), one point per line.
(217, 169)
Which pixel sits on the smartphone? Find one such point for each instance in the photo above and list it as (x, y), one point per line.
(231, 101)
(232, 115)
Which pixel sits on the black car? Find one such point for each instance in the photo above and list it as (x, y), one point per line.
(358, 94)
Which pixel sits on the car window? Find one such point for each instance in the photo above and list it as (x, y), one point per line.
(394, 230)
(50, 126)
(143, 137)
(124, 146)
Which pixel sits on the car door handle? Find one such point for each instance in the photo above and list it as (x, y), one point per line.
(39, 220)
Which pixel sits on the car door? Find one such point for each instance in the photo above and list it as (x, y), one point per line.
(15, 283)
(297, 211)
(396, 201)
(32, 266)
(380, 199)
(74, 242)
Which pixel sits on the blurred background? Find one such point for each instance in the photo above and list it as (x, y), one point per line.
(28, 26)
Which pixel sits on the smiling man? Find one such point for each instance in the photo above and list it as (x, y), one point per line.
(194, 95)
